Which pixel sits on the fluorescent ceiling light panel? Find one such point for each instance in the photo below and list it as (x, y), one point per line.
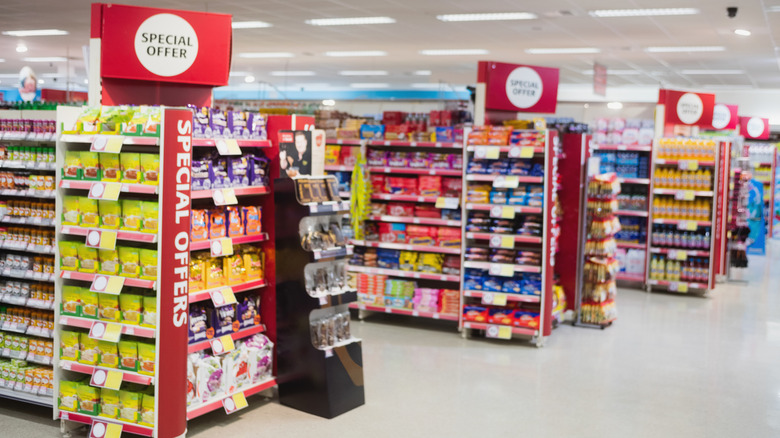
(681, 49)
(293, 73)
(712, 72)
(612, 13)
(429, 85)
(453, 52)
(2, 60)
(369, 85)
(615, 105)
(266, 55)
(35, 32)
(563, 51)
(249, 79)
(349, 21)
(46, 59)
(495, 16)
(355, 53)
(363, 73)
(250, 24)
(616, 72)
(422, 73)
(21, 48)
(742, 32)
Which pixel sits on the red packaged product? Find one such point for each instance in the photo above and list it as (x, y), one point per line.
(428, 211)
(429, 185)
(448, 237)
(452, 187)
(392, 233)
(421, 234)
(401, 209)
(503, 316)
(378, 183)
(401, 186)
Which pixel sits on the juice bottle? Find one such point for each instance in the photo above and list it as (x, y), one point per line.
(706, 180)
(657, 176)
(657, 207)
(654, 268)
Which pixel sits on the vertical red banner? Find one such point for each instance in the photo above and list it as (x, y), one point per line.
(719, 229)
(549, 237)
(173, 279)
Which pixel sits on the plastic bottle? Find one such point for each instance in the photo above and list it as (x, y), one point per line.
(654, 268)
(657, 207)
(706, 180)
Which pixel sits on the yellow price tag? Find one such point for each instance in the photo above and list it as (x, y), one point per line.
(687, 226)
(228, 147)
(688, 165)
(105, 191)
(240, 400)
(224, 197)
(502, 270)
(499, 299)
(223, 297)
(113, 331)
(107, 284)
(222, 247)
(101, 239)
(449, 203)
(235, 403)
(678, 255)
(498, 332)
(493, 153)
(103, 429)
(111, 144)
(222, 345)
(526, 152)
(505, 242)
(678, 287)
(685, 195)
(503, 212)
(105, 331)
(113, 379)
(506, 182)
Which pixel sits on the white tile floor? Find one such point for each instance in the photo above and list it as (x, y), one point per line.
(672, 366)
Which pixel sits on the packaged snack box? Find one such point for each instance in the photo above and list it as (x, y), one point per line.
(109, 403)
(148, 264)
(109, 307)
(128, 355)
(88, 258)
(149, 212)
(131, 306)
(149, 316)
(90, 163)
(73, 168)
(129, 262)
(110, 167)
(129, 406)
(110, 214)
(69, 346)
(109, 356)
(146, 358)
(109, 261)
(131, 215)
(71, 214)
(88, 208)
(131, 167)
(68, 396)
(150, 167)
(89, 303)
(89, 349)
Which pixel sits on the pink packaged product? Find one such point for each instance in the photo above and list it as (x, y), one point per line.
(420, 160)
(398, 159)
(440, 161)
(602, 125)
(451, 187)
(377, 158)
(617, 124)
(456, 162)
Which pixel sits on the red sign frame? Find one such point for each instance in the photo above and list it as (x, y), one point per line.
(496, 75)
(743, 128)
(116, 26)
(671, 98)
(733, 121)
(173, 284)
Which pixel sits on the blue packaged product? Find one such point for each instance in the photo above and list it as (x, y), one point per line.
(372, 132)
(445, 133)
(492, 284)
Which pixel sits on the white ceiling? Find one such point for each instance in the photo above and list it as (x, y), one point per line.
(622, 40)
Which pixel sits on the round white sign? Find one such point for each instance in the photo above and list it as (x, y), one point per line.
(524, 87)
(721, 116)
(98, 430)
(755, 127)
(690, 108)
(166, 44)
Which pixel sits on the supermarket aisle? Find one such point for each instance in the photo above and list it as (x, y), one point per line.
(672, 366)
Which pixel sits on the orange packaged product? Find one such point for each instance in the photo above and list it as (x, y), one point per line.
(252, 220)
(479, 136)
(234, 221)
(217, 229)
(200, 225)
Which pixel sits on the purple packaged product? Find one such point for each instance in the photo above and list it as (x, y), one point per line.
(377, 158)
(247, 311)
(198, 324)
(238, 171)
(200, 122)
(222, 319)
(219, 172)
(218, 123)
(419, 160)
(256, 124)
(456, 162)
(258, 170)
(237, 125)
(439, 161)
(201, 171)
(398, 159)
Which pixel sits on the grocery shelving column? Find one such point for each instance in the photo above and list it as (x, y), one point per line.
(27, 209)
(511, 233)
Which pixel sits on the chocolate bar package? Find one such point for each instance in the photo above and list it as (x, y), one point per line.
(198, 324)
(248, 312)
(222, 319)
(201, 171)
(238, 171)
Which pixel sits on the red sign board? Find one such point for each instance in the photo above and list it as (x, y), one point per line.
(173, 286)
(163, 45)
(599, 79)
(521, 88)
(754, 128)
(683, 108)
(725, 116)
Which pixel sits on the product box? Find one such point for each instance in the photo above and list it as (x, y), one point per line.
(302, 153)
(372, 132)
(392, 233)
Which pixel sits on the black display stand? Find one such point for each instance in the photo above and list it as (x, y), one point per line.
(322, 381)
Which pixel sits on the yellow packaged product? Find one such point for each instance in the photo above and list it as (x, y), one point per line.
(131, 215)
(147, 409)
(69, 255)
(146, 358)
(71, 214)
(89, 303)
(109, 403)
(89, 399)
(253, 264)
(150, 167)
(128, 355)
(215, 273)
(109, 357)
(149, 212)
(73, 168)
(69, 345)
(128, 262)
(109, 261)
(109, 165)
(135, 125)
(109, 307)
(89, 212)
(129, 406)
(149, 316)
(110, 214)
(197, 279)
(131, 306)
(86, 123)
(71, 300)
(88, 258)
(234, 269)
(68, 396)
(88, 351)
(148, 260)
(131, 167)
(90, 163)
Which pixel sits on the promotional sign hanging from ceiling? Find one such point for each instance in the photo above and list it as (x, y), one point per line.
(163, 45)
(754, 128)
(521, 88)
(725, 116)
(684, 108)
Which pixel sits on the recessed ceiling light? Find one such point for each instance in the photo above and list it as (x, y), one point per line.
(422, 73)
(349, 21)
(453, 52)
(34, 32)
(21, 48)
(369, 85)
(712, 72)
(328, 102)
(678, 49)
(742, 32)
(363, 73)
(2, 60)
(355, 53)
(293, 73)
(615, 105)
(610, 13)
(86, 81)
(495, 16)
(41, 81)
(46, 59)
(250, 24)
(563, 51)
(266, 55)
(249, 79)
